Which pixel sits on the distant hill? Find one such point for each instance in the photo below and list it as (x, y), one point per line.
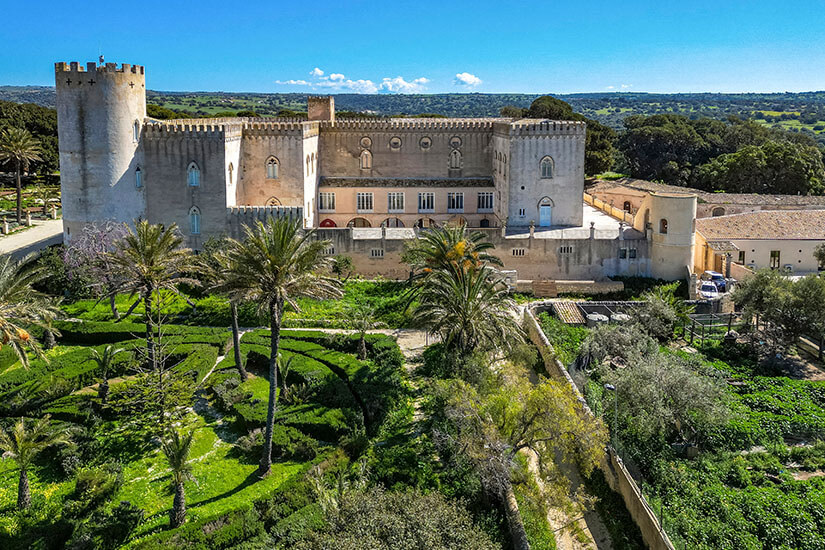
(799, 112)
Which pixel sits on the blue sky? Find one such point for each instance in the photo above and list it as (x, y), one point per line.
(429, 46)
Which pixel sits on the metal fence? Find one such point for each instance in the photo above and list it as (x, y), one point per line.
(700, 329)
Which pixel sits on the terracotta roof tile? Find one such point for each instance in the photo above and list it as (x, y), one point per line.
(765, 224)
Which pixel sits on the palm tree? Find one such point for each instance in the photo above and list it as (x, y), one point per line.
(216, 267)
(176, 448)
(104, 362)
(18, 146)
(361, 318)
(469, 308)
(20, 304)
(23, 445)
(275, 264)
(150, 260)
(450, 248)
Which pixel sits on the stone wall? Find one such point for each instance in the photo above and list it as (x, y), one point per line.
(614, 470)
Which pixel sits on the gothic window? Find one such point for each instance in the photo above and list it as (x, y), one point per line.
(273, 201)
(547, 167)
(312, 163)
(231, 171)
(195, 221)
(455, 159)
(194, 175)
(366, 160)
(136, 131)
(663, 226)
(272, 168)
(138, 178)
(308, 161)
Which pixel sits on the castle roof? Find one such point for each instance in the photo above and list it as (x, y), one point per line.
(765, 225)
(745, 199)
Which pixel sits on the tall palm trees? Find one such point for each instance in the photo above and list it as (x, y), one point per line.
(150, 260)
(20, 148)
(20, 304)
(276, 263)
(23, 445)
(176, 449)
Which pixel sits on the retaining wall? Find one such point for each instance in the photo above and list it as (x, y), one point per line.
(614, 469)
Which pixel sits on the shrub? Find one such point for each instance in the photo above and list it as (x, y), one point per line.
(93, 486)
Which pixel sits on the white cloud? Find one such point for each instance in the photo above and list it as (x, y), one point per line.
(626, 86)
(467, 79)
(611, 88)
(399, 85)
(338, 82)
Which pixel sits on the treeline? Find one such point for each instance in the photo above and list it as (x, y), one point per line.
(41, 122)
(737, 156)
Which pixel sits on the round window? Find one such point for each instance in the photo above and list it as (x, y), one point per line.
(366, 142)
(395, 142)
(455, 142)
(425, 142)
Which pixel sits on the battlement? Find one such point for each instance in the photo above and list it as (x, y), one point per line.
(395, 124)
(92, 67)
(534, 127)
(215, 128)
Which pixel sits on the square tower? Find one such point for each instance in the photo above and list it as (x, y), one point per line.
(321, 108)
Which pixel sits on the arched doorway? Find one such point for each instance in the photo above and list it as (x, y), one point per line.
(328, 223)
(426, 222)
(484, 223)
(273, 201)
(546, 212)
(392, 222)
(718, 211)
(359, 222)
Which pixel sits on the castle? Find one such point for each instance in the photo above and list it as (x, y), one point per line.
(367, 185)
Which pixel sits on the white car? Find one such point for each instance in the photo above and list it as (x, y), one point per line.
(708, 291)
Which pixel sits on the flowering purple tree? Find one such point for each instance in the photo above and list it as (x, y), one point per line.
(87, 257)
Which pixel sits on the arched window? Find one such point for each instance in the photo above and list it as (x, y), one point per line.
(718, 211)
(547, 167)
(366, 160)
(312, 163)
(138, 178)
(484, 223)
(195, 221)
(455, 159)
(663, 226)
(194, 175)
(272, 168)
(136, 131)
(626, 206)
(273, 201)
(231, 173)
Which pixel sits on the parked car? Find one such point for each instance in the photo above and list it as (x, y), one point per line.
(708, 290)
(717, 279)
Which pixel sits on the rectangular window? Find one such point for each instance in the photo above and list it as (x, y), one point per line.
(329, 251)
(364, 202)
(326, 202)
(565, 250)
(622, 253)
(455, 202)
(631, 253)
(485, 201)
(395, 201)
(742, 257)
(774, 259)
(519, 251)
(522, 212)
(426, 202)
(377, 253)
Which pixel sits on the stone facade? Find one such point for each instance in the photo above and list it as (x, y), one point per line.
(118, 164)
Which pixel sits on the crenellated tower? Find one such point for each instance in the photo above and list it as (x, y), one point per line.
(100, 117)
